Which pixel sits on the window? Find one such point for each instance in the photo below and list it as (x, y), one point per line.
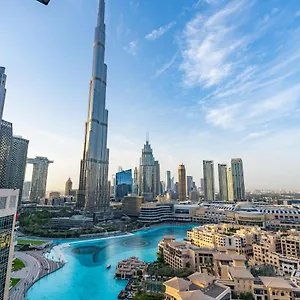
(12, 201)
(3, 202)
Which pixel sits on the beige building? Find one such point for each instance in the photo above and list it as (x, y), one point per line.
(229, 236)
(130, 268)
(198, 286)
(68, 187)
(181, 183)
(8, 208)
(131, 205)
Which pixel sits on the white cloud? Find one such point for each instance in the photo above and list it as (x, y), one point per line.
(164, 67)
(132, 47)
(212, 45)
(157, 33)
(297, 14)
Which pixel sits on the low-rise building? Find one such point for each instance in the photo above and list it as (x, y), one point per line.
(129, 268)
(131, 205)
(198, 286)
(66, 223)
(236, 237)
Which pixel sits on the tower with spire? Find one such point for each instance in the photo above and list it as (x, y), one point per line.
(149, 173)
(93, 194)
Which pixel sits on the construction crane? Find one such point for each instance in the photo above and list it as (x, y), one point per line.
(46, 2)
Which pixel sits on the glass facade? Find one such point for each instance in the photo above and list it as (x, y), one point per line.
(6, 231)
(123, 184)
(6, 136)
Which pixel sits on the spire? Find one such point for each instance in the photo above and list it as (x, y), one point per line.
(101, 12)
(147, 137)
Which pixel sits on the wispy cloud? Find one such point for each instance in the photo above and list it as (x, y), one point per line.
(165, 67)
(132, 47)
(297, 14)
(212, 45)
(157, 33)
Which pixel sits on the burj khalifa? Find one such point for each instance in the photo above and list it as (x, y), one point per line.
(93, 194)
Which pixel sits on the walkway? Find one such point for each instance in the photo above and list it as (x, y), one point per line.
(36, 267)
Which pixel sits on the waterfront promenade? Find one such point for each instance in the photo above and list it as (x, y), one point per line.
(36, 267)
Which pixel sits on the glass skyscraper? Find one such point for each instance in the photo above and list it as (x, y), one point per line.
(93, 192)
(8, 205)
(238, 179)
(2, 90)
(209, 180)
(6, 138)
(223, 182)
(39, 177)
(18, 164)
(123, 184)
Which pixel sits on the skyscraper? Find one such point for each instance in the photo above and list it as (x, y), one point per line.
(26, 190)
(190, 184)
(209, 180)
(202, 185)
(39, 177)
(68, 187)
(18, 164)
(223, 182)
(230, 185)
(93, 182)
(157, 178)
(6, 138)
(238, 179)
(123, 184)
(2, 90)
(147, 174)
(168, 181)
(181, 183)
(135, 186)
(8, 208)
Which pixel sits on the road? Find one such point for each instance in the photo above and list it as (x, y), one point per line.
(36, 267)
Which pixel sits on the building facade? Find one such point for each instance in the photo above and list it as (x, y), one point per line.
(6, 138)
(181, 183)
(68, 187)
(18, 164)
(131, 205)
(223, 182)
(209, 180)
(230, 184)
(168, 181)
(8, 208)
(147, 174)
(39, 177)
(26, 190)
(238, 179)
(135, 185)
(93, 192)
(2, 90)
(190, 184)
(123, 184)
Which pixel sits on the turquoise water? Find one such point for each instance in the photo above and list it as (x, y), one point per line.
(85, 275)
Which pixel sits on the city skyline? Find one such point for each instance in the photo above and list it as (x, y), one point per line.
(211, 106)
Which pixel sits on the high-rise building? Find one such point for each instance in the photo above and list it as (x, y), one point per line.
(181, 183)
(135, 185)
(223, 182)
(230, 184)
(238, 179)
(26, 190)
(18, 164)
(209, 180)
(6, 138)
(39, 177)
(190, 184)
(93, 192)
(147, 174)
(68, 187)
(8, 208)
(168, 181)
(123, 184)
(157, 178)
(2, 90)
(202, 185)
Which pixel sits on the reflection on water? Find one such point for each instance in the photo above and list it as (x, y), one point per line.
(88, 255)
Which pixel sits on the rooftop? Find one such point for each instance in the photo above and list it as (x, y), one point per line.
(275, 282)
(178, 283)
(240, 272)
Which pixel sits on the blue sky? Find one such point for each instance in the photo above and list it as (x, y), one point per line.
(209, 79)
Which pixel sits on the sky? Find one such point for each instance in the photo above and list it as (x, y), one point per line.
(208, 79)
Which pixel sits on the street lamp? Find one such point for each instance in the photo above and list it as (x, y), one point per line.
(46, 2)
